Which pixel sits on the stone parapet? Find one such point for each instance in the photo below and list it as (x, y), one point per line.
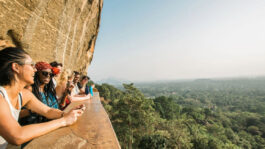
(93, 130)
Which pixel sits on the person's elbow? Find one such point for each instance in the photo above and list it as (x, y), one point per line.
(17, 139)
(16, 142)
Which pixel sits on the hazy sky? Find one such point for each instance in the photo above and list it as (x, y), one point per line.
(145, 40)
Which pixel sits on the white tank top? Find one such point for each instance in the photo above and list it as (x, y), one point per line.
(13, 110)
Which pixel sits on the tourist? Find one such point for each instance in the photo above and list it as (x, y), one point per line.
(43, 87)
(64, 89)
(17, 71)
(76, 90)
(82, 85)
(56, 69)
(91, 87)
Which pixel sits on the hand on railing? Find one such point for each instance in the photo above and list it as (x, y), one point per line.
(72, 115)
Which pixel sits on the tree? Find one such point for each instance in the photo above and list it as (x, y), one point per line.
(254, 130)
(166, 107)
(132, 116)
(153, 142)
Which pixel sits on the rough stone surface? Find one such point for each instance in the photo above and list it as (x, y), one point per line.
(62, 30)
(93, 130)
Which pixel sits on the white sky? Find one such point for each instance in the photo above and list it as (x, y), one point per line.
(155, 40)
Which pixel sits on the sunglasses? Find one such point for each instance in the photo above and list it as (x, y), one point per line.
(30, 63)
(46, 74)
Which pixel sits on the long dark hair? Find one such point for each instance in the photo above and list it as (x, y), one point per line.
(48, 88)
(7, 57)
(56, 64)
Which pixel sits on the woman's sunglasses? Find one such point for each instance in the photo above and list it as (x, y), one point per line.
(46, 74)
(32, 64)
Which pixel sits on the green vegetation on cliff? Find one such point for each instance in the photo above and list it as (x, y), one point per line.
(201, 114)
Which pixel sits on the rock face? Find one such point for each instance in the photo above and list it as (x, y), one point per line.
(61, 30)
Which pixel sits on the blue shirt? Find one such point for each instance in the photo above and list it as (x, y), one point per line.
(89, 90)
(51, 100)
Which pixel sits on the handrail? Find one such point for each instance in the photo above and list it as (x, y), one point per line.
(93, 130)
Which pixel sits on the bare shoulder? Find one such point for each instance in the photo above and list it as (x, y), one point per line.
(64, 84)
(26, 92)
(61, 87)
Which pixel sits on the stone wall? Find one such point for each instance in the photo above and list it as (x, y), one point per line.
(93, 130)
(61, 30)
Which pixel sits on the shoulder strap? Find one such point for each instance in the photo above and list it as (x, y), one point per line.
(2, 94)
(20, 99)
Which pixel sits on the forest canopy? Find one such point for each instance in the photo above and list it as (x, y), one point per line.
(199, 114)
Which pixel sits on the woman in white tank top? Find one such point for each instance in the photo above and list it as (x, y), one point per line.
(16, 71)
(13, 110)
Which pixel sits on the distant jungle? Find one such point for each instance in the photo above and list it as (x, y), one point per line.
(192, 114)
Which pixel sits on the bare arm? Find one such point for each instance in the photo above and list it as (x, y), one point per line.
(60, 89)
(35, 105)
(11, 131)
(82, 90)
(80, 97)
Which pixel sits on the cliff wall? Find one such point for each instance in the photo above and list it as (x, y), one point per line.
(61, 30)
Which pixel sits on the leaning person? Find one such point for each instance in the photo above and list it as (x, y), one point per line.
(56, 69)
(91, 87)
(82, 85)
(64, 89)
(17, 71)
(76, 90)
(43, 89)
